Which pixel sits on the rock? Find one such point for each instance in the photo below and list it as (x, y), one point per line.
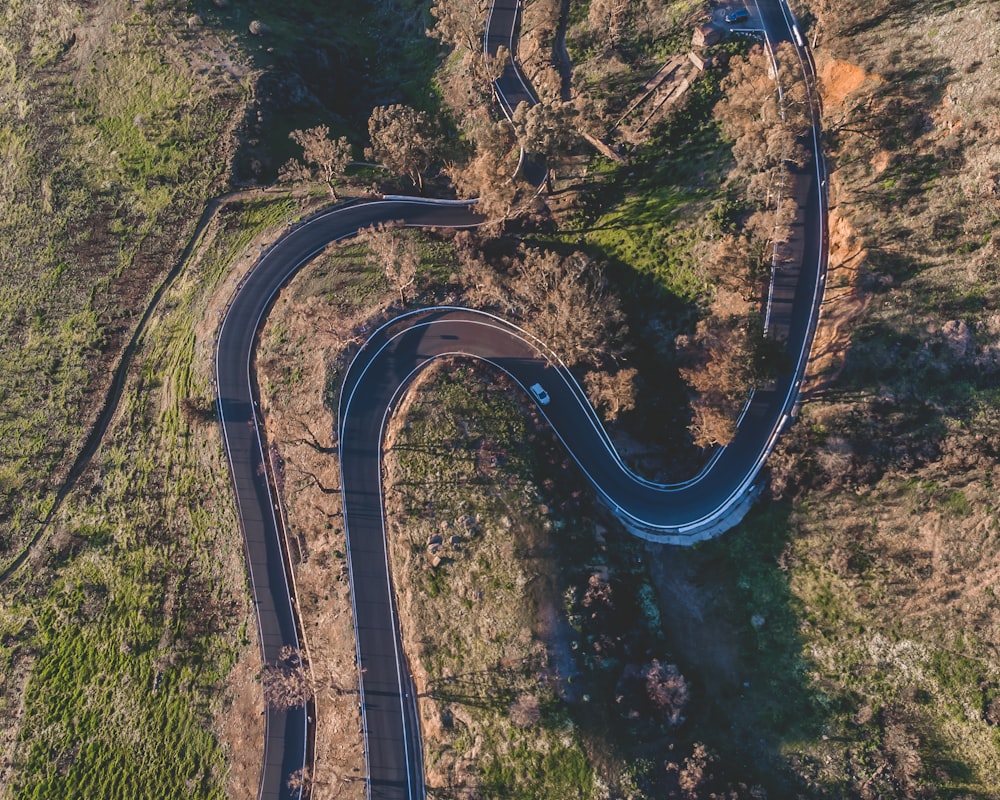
(435, 539)
(436, 561)
(258, 28)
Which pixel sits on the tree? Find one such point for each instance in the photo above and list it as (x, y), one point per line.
(725, 360)
(286, 681)
(323, 158)
(489, 174)
(404, 141)
(667, 690)
(612, 392)
(765, 114)
(599, 598)
(396, 253)
(547, 128)
(716, 371)
(694, 775)
(460, 24)
(569, 305)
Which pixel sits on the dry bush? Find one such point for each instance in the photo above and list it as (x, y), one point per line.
(526, 710)
(612, 392)
(286, 680)
(667, 690)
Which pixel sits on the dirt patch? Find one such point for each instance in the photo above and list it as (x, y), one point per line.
(843, 303)
(241, 723)
(838, 79)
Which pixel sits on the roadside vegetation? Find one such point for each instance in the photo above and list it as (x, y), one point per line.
(842, 642)
(132, 610)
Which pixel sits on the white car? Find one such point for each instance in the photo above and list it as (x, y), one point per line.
(540, 394)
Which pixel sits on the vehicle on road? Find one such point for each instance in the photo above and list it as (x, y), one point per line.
(540, 394)
(739, 15)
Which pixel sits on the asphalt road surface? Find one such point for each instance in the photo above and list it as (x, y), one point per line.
(285, 734)
(511, 88)
(377, 377)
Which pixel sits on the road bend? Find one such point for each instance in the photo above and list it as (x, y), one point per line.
(703, 505)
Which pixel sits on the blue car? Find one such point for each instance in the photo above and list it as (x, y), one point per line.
(540, 394)
(740, 15)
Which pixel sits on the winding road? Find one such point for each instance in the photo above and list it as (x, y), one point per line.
(705, 505)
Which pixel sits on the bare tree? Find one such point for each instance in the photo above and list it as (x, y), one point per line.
(607, 20)
(397, 253)
(323, 157)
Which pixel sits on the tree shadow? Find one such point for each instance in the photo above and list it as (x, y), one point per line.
(733, 624)
(488, 689)
(324, 62)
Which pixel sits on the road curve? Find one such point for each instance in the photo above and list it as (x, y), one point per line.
(285, 732)
(511, 88)
(702, 506)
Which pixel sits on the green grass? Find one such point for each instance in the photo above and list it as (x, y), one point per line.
(525, 773)
(93, 725)
(461, 467)
(134, 609)
(103, 181)
(647, 216)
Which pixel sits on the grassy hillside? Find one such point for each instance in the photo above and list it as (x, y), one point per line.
(111, 135)
(125, 617)
(123, 611)
(841, 643)
(893, 526)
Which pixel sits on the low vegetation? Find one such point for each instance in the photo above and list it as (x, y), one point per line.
(841, 642)
(483, 567)
(104, 175)
(132, 610)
